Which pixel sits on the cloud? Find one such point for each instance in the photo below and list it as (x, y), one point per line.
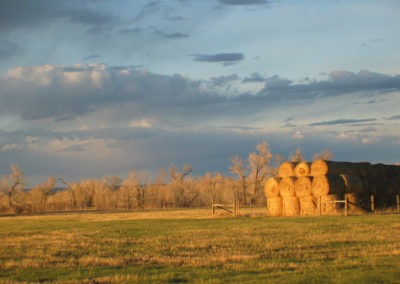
(254, 78)
(175, 35)
(394, 117)
(68, 91)
(153, 30)
(243, 2)
(338, 83)
(342, 121)
(92, 57)
(132, 31)
(224, 80)
(219, 57)
(8, 48)
(26, 13)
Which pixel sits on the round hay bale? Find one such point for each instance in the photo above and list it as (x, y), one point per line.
(384, 187)
(286, 187)
(291, 206)
(381, 170)
(395, 170)
(275, 206)
(322, 167)
(303, 186)
(323, 185)
(371, 186)
(271, 187)
(395, 182)
(354, 184)
(286, 169)
(354, 203)
(302, 169)
(308, 205)
(326, 204)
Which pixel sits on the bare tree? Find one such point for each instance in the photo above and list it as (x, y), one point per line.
(209, 182)
(240, 169)
(183, 191)
(259, 167)
(323, 155)
(297, 156)
(40, 193)
(14, 183)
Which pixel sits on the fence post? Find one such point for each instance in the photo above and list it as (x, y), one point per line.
(398, 203)
(345, 205)
(372, 203)
(213, 209)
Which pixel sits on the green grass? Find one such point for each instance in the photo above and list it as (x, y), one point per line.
(129, 247)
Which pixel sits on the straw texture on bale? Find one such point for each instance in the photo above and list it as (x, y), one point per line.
(381, 170)
(286, 187)
(354, 184)
(303, 186)
(272, 187)
(395, 182)
(309, 188)
(322, 167)
(395, 170)
(379, 187)
(354, 203)
(326, 204)
(302, 169)
(275, 206)
(323, 185)
(291, 206)
(308, 205)
(286, 169)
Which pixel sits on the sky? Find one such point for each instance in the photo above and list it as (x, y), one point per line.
(93, 88)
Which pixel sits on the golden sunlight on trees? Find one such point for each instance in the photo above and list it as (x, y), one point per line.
(297, 156)
(252, 174)
(259, 169)
(182, 187)
(323, 155)
(39, 195)
(173, 188)
(240, 169)
(12, 194)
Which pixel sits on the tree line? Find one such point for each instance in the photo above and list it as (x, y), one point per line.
(174, 187)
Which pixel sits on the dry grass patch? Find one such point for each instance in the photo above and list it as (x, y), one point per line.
(84, 248)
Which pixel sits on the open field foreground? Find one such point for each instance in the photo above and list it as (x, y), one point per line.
(190, 246)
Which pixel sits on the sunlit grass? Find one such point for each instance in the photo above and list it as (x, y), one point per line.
(192, 246)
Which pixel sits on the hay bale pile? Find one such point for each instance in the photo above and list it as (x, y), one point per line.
(311, 188)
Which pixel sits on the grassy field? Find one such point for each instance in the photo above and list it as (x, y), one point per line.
(191, 246)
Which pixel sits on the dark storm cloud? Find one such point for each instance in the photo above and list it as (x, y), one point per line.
(219, 57)
(342, 121)
(8, 49)
(77, 90)
(63, 93)
(243, 2)
(26, 14)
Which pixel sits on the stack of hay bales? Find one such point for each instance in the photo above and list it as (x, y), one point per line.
(311, 188)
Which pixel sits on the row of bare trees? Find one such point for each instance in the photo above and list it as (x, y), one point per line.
(173, 188)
